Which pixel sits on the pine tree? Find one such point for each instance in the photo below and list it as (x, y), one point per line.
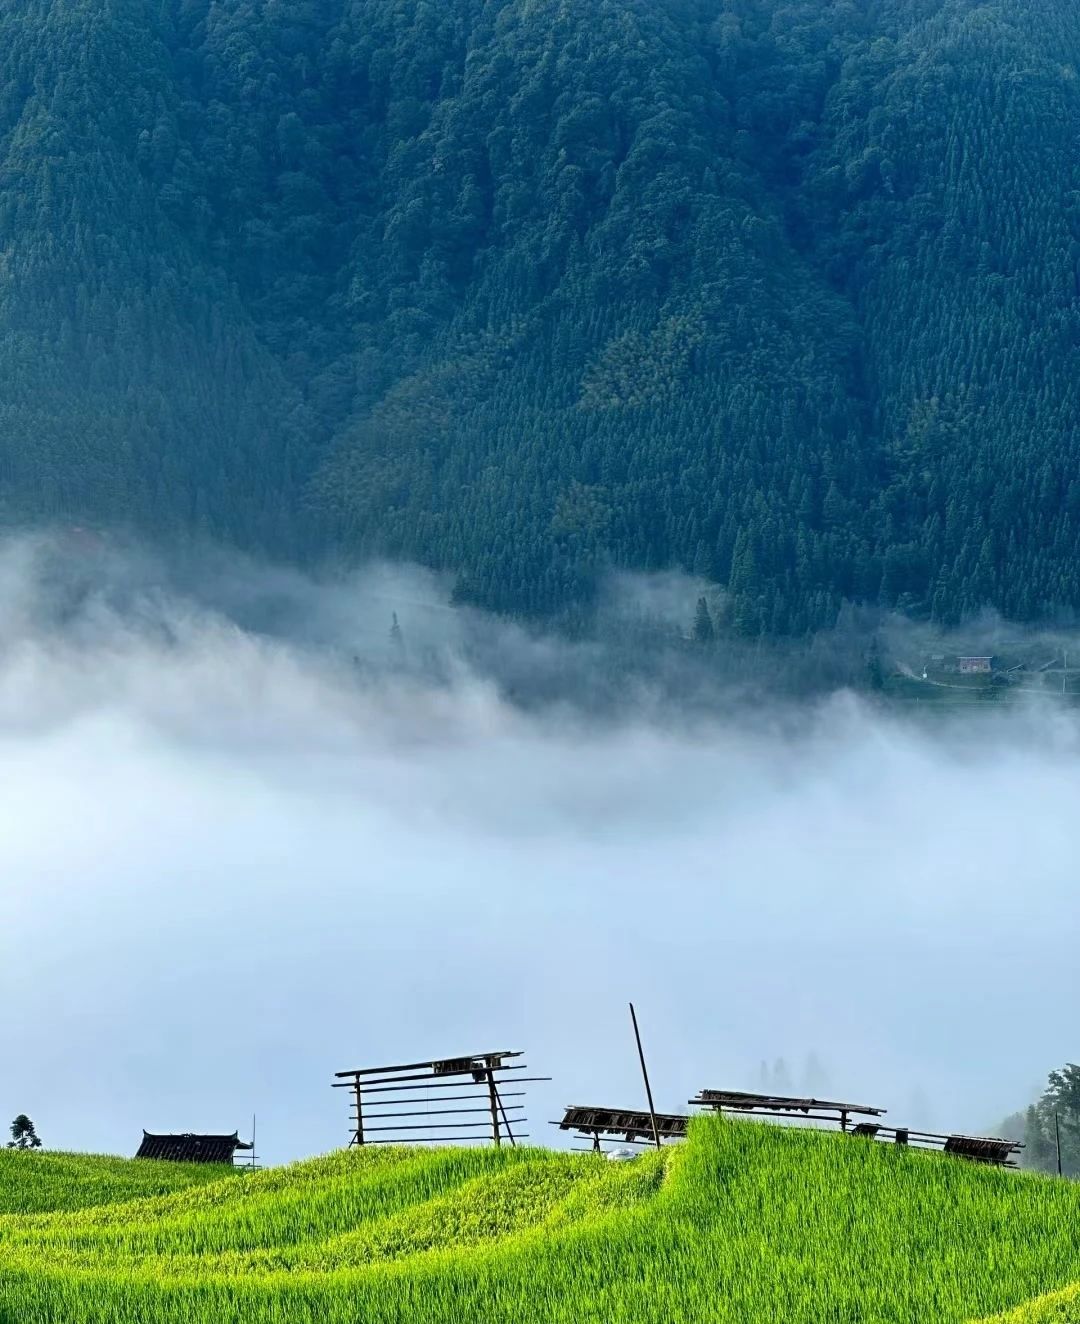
(815, 1078)
(23, 1135)
(1040, 1146)
(703, 623)
(781, 1077)
(874, 671)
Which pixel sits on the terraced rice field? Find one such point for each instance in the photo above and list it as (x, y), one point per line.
(744, 1223)
(1053, 1308)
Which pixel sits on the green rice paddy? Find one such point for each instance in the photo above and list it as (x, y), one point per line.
(745, 1222)
(1053, 1308)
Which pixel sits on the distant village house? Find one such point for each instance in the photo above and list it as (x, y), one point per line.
(191, 1148)
(961, 664)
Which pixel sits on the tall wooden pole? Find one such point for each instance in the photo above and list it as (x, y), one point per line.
(494, 1098)
(358, 1138)
(645, 1076)
(1057, 1139)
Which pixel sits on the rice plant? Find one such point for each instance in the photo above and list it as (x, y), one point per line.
(744, 1224)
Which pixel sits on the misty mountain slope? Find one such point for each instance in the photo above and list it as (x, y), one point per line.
(133, 382)
(953, 183)
(782, 294)
(630, 374)
(744, 1222)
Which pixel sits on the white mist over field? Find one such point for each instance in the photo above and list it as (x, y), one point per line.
(231, 864)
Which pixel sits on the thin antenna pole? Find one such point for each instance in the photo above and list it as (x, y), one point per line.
(252, 1142)
(645, 1075)
(1057, 1139)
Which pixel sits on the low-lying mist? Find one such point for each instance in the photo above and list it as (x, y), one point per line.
(251, 833)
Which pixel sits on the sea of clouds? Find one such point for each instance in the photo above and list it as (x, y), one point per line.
(243, 844)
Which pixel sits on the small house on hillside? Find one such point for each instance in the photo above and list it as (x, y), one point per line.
(960, 664)
(191, 1148)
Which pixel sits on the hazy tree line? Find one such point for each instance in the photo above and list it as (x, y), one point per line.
(1051, 1125)
(784, 293)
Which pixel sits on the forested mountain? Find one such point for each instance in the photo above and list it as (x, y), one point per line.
(784, 292)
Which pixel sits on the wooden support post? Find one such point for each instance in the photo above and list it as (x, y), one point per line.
(358, 1138)
(843, 1119)
(901, 1135)
(506, 1120)
(645, 1075)
(493, 1094)
(1057, 1139)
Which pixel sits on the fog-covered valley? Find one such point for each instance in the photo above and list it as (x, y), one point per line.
(235, 860)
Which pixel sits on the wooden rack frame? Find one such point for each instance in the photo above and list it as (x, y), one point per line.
(977, 1149)
(486, 1073)
(627, 1126)
(786, 1106)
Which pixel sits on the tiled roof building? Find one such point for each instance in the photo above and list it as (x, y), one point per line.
(190, 1148)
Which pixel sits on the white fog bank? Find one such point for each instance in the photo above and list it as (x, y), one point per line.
(229, 866)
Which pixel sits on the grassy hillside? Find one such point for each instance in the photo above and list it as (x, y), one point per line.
(744, 1223)
(49, 1183)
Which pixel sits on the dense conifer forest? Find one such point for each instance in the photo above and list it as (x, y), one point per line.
(783, 292)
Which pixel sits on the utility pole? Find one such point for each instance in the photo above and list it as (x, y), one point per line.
(1057, 1139)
